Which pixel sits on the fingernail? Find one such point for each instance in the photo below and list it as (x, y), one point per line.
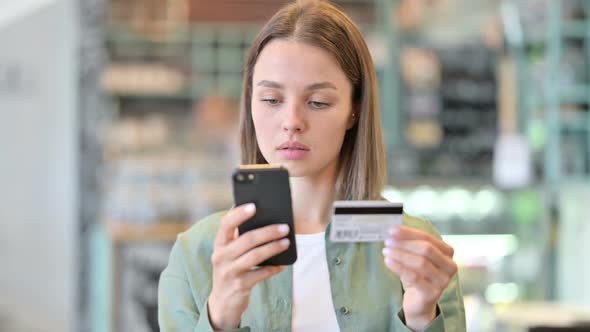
(249, 208)
(283, 228)
(386, 251)
(284, 242)
(394, 231)
(389, 242)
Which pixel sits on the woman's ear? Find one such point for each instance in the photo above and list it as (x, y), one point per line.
(352, 119)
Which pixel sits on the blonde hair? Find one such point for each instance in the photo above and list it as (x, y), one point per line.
(322, 24)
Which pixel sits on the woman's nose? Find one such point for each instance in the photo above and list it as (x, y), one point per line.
(293, 120)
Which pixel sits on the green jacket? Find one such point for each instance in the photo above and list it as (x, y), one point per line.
(366, 295)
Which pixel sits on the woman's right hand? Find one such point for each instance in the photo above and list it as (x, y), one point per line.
(233, 260)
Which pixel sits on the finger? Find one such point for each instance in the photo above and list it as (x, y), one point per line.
(255, 238)
(408, 233)
(411, 278)
(259, 254)
(231, 221)
(255, 276)
(419, 264)
(428, 250)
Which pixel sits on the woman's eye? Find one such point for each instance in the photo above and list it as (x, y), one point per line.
(318, 104)
(271, 101)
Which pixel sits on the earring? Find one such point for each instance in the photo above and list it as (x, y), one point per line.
(353, 115)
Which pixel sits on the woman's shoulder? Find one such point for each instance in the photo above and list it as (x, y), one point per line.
(190, 257)
(203, 232)
(421, 224)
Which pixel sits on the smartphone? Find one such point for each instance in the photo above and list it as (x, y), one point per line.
(266, 186)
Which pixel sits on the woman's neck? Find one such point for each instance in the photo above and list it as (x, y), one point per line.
(312, 201)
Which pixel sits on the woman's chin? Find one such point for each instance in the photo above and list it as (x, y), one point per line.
(296, 169)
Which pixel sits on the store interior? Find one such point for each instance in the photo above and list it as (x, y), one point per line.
(119, 131)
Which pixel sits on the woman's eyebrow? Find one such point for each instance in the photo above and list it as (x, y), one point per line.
(314, 86)
(322, 85)
(270, 84)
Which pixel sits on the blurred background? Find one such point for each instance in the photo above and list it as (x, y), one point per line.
(118, 131)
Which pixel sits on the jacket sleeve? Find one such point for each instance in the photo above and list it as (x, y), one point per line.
(451, 313)
(177, 307)
(452, 308)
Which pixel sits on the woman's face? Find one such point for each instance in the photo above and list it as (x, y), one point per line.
(301, 107)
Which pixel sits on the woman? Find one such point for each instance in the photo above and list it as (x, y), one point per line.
(310, 104)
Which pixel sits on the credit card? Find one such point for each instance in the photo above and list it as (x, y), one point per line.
(364, 221)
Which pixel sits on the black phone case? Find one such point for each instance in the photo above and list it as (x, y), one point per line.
(271, 193)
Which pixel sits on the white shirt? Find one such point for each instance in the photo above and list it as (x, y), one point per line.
(313, 309)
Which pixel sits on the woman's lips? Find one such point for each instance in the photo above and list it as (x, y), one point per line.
(293, 150)
(293, 154)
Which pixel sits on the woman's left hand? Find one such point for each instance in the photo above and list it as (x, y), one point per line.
(425, 266)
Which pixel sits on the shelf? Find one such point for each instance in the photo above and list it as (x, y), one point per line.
(122, 232)
(578, 122)
(182, 96)
(575, 29)
(120, 35)
(576, 94)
